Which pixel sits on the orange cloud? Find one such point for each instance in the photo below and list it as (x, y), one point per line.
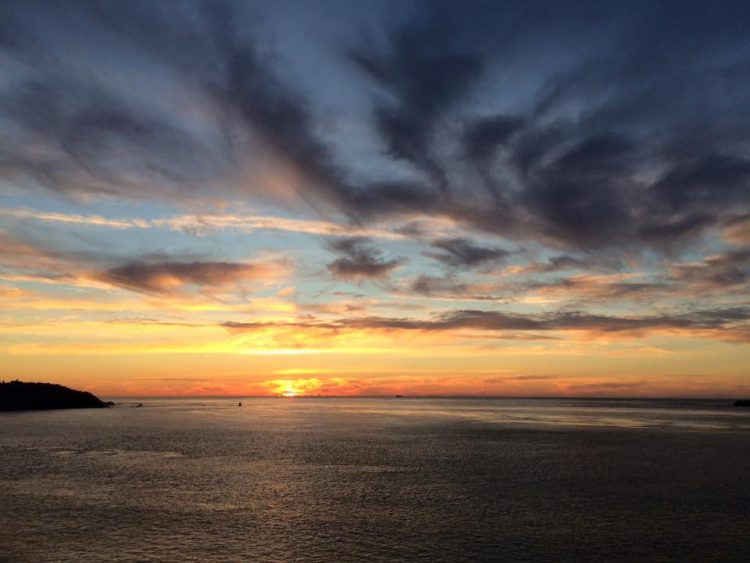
(169, 276)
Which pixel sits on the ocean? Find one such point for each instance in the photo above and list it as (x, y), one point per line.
(377, 480)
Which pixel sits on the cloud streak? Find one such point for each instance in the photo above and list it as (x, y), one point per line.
(718, 323)
(169, 277)
(462, 253)
(206, 222)
(360, 261)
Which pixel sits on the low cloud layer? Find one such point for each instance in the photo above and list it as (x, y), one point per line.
(730, 323)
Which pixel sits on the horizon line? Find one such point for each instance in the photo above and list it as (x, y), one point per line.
(403, 396)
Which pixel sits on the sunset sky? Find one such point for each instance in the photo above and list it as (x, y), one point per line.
(350, 197)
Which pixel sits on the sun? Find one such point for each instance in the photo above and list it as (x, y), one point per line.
(289, 388)
(293, 387)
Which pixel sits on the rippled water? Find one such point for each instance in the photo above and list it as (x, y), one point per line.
(377, 480)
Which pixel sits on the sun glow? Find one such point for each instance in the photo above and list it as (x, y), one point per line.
(294, 387)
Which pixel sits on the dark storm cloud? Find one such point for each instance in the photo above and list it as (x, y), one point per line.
(462, 253)
(360, 261)
(732, 321)
(626, 125)
(166, 277)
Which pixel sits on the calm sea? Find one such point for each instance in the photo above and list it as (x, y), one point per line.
(377, 480)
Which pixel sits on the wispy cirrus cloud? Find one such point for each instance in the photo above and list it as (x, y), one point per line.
(638, 169)
(204, 223)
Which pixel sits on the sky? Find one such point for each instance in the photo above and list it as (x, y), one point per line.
(351, 197)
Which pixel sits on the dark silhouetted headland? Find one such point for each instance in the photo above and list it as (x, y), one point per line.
(742, 403)
(21, 396)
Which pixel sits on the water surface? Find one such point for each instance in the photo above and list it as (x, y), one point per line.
(377, 479)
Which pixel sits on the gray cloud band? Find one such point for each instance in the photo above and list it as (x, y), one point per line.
(644, 146)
